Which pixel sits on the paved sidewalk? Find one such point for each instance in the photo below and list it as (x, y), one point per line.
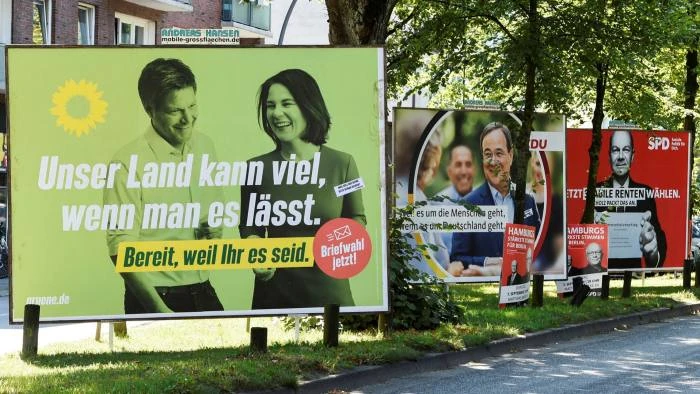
(11, 335)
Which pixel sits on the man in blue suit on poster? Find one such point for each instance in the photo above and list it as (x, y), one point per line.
(481, 253)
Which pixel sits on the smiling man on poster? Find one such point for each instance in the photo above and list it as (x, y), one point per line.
(481, 253)
(167, 89)
(460, 171)
(594, 257)
(629, 208)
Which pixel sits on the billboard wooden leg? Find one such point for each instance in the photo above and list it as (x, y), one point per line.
(30, 338)
(258, 339)
(331, 322)
(98, 331)
(687, 272)
(605, 287)
(697, 275)
(627, 285)
(297, 328)
(537, 291)
(111, 336)
(383, 324)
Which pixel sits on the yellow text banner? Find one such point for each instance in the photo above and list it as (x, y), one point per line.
(214, 254)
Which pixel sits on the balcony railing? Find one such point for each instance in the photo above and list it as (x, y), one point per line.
(165, 5)
(254, 13)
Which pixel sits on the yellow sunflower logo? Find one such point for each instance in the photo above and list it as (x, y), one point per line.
(78, 107)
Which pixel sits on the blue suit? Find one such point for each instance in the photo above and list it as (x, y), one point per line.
(473, 248)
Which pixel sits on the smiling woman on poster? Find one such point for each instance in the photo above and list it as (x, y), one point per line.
(292, 112)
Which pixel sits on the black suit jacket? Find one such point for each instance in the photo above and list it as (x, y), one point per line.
(588, 269)
(473, 248)
(516, 279)
(647, 204)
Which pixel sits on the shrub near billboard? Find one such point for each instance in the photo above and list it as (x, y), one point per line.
(641, 194)
(194, 182)
(442, 166)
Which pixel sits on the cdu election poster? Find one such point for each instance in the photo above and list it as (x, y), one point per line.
(196, 182)
(454, 168)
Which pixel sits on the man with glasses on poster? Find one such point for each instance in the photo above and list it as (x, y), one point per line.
(629, 209)
(481, 253)
(594, 257)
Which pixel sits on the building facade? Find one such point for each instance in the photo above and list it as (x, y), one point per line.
(116, 22)
(120, 22)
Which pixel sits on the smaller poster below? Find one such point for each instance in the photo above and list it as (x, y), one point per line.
(518, 249)
(587, 257)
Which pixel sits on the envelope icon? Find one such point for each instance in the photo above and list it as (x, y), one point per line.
(342, 232)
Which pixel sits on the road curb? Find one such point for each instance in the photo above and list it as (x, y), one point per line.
(366, 375)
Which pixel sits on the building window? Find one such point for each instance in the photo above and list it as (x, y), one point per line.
(41, 19)
(255, 13)
(86, 24)
(131, 30)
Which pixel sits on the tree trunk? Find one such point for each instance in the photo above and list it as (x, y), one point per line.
(522, 138)
(596, 142)
(358, 22)
(691, 91)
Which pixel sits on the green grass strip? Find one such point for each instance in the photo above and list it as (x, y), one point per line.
(213, 356)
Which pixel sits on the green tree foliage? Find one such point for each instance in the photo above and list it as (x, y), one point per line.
(691, 41)
(418, 300)
(500, 47)
(413, 304)
(631, 59)
(612, 52)
(581, 58)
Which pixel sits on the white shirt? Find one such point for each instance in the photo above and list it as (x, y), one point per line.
(616, 185)
(499, 199)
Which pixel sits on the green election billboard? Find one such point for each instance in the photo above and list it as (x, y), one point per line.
(163, 182)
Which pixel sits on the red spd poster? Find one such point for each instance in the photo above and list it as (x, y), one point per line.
(641, 194)
(518, 249)
(587, 257)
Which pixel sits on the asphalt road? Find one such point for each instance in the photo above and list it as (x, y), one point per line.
(658, 357)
